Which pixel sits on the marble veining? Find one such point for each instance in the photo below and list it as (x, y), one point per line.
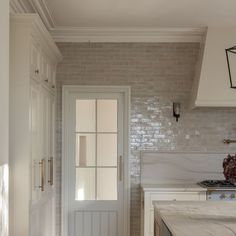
(180, 167)
(198, 218)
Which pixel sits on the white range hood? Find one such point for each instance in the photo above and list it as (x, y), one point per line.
(211, 87)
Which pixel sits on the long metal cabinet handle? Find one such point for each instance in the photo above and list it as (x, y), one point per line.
(121, 168)
(50, 162)
(42, 164)
(228, 141)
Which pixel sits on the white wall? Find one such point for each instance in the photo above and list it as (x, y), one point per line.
(4, 81)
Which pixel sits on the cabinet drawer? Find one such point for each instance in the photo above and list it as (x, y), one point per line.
(186, 196)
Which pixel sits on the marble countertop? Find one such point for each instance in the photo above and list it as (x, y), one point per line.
(204, 218)
(173, 187)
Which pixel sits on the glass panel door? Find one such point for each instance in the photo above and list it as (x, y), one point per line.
(94, 173)
(96, 149)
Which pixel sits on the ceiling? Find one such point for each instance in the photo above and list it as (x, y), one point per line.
(142, 13)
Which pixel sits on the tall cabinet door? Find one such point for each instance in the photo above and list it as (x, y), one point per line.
(36, 150)
(46, 135)
(48, 123)
(51, 209)
(51, 161)
(48, 208)
(36, 154)
(51, 167)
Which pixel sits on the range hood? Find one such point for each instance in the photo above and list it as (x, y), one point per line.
(211, 86)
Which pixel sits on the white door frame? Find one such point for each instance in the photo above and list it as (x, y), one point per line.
(66, 90)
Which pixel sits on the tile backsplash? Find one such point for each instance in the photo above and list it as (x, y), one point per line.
(158, 74)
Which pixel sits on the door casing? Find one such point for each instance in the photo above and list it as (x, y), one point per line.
(66, 90)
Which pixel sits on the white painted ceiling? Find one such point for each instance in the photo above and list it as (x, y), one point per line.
(142, 13)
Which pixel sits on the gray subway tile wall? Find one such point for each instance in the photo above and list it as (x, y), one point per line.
(158, 74)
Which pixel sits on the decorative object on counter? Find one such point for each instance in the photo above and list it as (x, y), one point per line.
(231, 62)
(228, 141)
(176, 110)
(229, 165)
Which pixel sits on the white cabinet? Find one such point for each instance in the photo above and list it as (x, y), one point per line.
(43, 218)
(151, 195)
(48, 137)
(35, 138)
(47, 71)
(34, 59)
(32, 121)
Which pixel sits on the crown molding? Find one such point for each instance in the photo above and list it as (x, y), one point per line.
(19, 6)
(33, 6)
(67, 34)
(45, 14)
(100, 34)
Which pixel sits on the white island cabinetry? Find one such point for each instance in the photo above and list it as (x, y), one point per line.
(33, 60)
(165, 192)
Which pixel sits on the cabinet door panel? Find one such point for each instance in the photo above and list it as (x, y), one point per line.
(35, 139)
(44, 68)
(48, 137)
(48, 72)
(35, 61)
(47, 220)
(53, 75)
(45, 108)
(51, 140)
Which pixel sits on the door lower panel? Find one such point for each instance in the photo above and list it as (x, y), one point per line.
(96, 223)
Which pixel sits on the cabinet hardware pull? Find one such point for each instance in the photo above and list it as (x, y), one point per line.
(53, 86)
(228, 141)
(50, 162)
(42, 164)
(46, 80)
(36, 71)
(121, 168)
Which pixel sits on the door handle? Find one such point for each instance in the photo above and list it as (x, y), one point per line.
(50, 162)
(42, 164)
(121, 168)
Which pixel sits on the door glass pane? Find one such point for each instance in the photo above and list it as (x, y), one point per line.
(85, 115)
(85, 184)
(107, 149)
(107, 115)
(85, 149)
(96, 149)
(106, 184)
